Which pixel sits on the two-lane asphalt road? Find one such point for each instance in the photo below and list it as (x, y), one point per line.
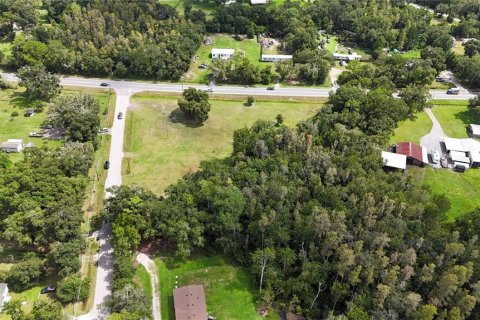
(225, 90)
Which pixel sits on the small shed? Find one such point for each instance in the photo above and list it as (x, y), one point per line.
(4, 297)
(474, 130)
(29, 112)
(394, 160)
(12, 145)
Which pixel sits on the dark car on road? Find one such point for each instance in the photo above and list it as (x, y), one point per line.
(120, 116)
(104, 84)
(271, 88)
(48, 289)
(106, 165)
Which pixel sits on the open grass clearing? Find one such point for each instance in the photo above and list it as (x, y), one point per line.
(462, 189)
(159, 151)
(143, 281)
(454, 117)
(249, 47)
(229, 290)
(412, 129)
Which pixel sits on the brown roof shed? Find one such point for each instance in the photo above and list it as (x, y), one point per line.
(411, 150)
(189, 302)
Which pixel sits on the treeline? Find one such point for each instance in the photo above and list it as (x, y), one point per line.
(143, 39)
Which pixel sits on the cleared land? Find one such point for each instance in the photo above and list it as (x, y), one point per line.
(221, 41)
(412, 129)
(142, 279)
(159, 151)
(453, 116)
(228, 288)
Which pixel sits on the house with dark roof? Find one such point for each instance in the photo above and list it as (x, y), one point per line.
(4, 297)
(189, 303)
(416, 154)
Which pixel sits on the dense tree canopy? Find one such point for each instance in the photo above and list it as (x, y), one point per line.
(39, 83)
(195, 105)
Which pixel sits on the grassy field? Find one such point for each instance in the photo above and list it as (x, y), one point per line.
(142, 279)
(453, 115)
(249, 46)
(159, 151)
(412, 129)
(229, 290)
(462, 189)
(6, 48)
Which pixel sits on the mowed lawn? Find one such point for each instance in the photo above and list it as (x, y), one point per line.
(229, 290)
(454, 117)
(250, 47)
(159, 151)
(412, 129)
(462, 189)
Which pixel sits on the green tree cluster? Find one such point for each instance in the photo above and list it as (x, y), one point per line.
(195, 105)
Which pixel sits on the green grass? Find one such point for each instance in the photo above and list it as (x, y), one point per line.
(462, 189)
(6, 48)
(221, 41)
(142, 279)
(229, 290)
(412, 129)
(159, 151)
(453, 115)
(411, 54)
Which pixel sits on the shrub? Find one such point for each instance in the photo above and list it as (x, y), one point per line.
(25, 275)
(250, 100)
(14, 114)
(68, 289)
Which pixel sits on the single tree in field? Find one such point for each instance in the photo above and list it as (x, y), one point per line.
(195, 105)
(39, 83)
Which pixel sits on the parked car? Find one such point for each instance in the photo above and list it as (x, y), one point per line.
(203, 66)
(209, 90)
(35, 134)
(435, 155)
(460, 167)
(103, 130)
(104, 84)
(120, 116)
(47, 126)
(48, 289)
(453, 91)
(106, 165)
(271, 88)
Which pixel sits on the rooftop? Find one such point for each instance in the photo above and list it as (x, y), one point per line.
(223, 51)
(394, 160)
(475, 129)
(412, 150)
(189, 302)
(284, 56)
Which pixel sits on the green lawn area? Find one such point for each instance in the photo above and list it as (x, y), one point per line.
(453, 115)
(462, 189)
(159, 151)
(221, 41)
(229, 290)
(411, 54)
(412, 129)
(142, 279)
(6, 48)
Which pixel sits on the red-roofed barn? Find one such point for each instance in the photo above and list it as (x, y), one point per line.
(415, 153)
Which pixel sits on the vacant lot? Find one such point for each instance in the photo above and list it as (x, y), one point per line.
(228, 288)
(249, 47)
(453, 115)
(412, 129)
(462, 189)
(159, 151)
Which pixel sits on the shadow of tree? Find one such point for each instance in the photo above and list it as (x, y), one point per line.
(19, 100)
(466, 117)
(177, 116)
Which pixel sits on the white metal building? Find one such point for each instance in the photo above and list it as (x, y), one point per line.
(275, 57)
(347, 57)
(463, 150)
(394, 160)
(12, 145)
(474, 130)
(258, 1)
(222, 53)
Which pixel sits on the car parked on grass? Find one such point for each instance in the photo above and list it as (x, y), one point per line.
(120, 116)
(48, 289)
(35, 134)
(47, 126)
(103, 130)
(106, 165)
(435, 155)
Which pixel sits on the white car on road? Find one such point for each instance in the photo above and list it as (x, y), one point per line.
(435, 155)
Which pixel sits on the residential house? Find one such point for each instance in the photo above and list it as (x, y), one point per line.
(12, 145)
(189, 303)
(222, 53)
(347, 57)
(275, 57)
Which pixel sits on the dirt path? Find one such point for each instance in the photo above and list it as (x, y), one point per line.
(148, 263)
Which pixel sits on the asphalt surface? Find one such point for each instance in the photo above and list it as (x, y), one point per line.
(432, 139)
(134, 86)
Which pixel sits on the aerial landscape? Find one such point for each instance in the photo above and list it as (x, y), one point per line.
(239, 159)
